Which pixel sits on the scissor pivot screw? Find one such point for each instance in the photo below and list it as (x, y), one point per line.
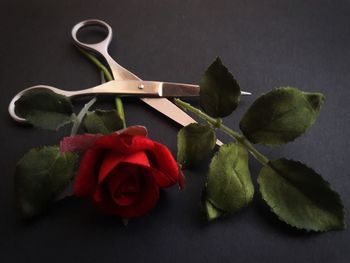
(141, 86)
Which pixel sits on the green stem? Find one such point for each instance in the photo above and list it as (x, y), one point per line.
(218, 123)
(98, 64)
(109, 77)
(120, 110)
(80, 116)
(243, 140)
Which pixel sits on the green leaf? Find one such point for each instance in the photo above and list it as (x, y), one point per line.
(45, 109)
(194, 143)
(229, 187)
(103, 121)
(301, 197)
(219, 91)
(280, 116)
(41, 175)
(210, 211)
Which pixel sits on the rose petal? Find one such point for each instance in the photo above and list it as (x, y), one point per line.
(166, 164)
(137, 143)
(103, 202)
(146, 201)
(112, 142)
(124, 144)
(78, 143)
(134, 130)
(140, 203)
(82, 142)
(115, 180)
(99, 196)
(138, 158)
(119, 176)
(110, 161)
(86, 179)
(162, 179)
(128, 192)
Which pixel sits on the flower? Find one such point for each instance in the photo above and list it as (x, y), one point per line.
(122, 173)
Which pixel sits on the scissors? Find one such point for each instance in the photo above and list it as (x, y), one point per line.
(125, 83)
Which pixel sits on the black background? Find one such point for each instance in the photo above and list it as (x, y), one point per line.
(264, 43)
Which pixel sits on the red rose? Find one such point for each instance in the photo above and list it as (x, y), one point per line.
(123, 172)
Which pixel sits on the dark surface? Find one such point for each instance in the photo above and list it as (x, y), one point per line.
(265, 43)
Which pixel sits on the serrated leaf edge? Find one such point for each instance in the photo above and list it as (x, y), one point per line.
(235, 174)
(344, 225)
(227, 71)
(271, 145)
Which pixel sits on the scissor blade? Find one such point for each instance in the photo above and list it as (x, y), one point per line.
(170, 110)
(179, 90)
(169, 89)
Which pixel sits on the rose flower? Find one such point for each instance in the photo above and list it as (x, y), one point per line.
(122, 172)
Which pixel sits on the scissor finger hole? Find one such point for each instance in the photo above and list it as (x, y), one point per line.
(92, 34)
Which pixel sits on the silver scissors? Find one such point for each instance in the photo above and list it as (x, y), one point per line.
(125, 83)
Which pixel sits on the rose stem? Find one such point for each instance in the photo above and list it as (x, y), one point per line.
(118, 100)
(218, 124)
(80, 116)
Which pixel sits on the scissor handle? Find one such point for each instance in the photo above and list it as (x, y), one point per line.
(125, 88)
(11, 107)
(100, 47)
